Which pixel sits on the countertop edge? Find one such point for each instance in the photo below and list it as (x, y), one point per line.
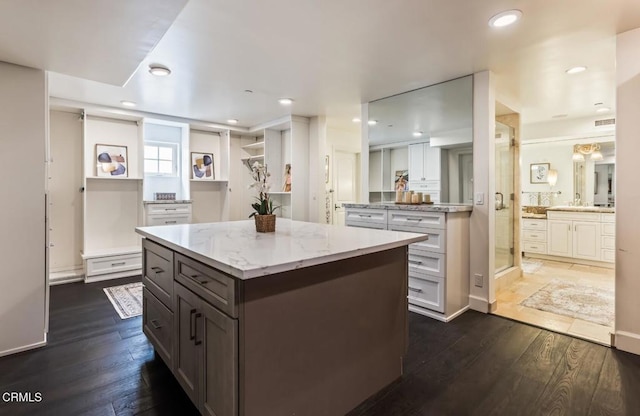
(409, 207)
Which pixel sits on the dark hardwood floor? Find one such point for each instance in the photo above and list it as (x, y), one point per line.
(98, 364)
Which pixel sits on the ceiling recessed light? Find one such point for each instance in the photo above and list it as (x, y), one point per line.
(559, 116)
(128, 103)
(576, 70)
(372, 122)
(285, 101)
(159, 70)
(505, 18)
(603, 110)
(417, 133)
(232, 121)
(356, 120)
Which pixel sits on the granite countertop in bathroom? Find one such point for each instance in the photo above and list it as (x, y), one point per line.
(415, 207)
(606, 210)
(169, 201)
(534, 216)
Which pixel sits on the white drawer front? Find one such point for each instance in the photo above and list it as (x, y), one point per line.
(427, 293)
(168, 209)
(530, 224)
(608, 255)
(531, 235)
(436, 242)
(608, 217)
(422, 263)
(418, 221)
(363, 216)
(169, 220)
(114, 264)
(608, 242)
(576, 216)
(608, 229)
(535, 247)
(424, 186)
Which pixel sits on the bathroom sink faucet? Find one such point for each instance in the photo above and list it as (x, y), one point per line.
(577, 200)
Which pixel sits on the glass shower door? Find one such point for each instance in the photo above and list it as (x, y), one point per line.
(504, 253)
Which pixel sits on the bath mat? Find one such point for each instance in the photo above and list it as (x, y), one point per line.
(577, 301)
(126, 299)
(531, 266)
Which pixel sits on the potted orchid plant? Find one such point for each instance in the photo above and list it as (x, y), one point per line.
(264, 210)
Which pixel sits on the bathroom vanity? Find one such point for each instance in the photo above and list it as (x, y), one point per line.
(309, 320)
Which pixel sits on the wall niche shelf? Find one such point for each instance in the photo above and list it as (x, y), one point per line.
(256, 145)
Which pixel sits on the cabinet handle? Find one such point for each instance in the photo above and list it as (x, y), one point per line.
(154, 324)
(534, 235)
(170, 222)
(415, 262)
(192, 325)
(171, 209)
(414, 219)
(157, 270)
(364, 216)
(534, 247)
(415, 289)
(198, 315)
(120, 263)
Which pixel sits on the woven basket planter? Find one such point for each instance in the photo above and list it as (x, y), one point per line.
(265, 223)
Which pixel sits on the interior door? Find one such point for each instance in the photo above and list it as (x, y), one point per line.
(504, 164)
(345, 184)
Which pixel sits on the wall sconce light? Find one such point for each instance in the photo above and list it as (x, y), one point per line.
(580, 150)
(552, 177)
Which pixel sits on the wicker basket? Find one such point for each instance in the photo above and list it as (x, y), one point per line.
(265, 223)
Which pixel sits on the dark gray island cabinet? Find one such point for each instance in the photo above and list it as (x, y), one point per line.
(310, 320)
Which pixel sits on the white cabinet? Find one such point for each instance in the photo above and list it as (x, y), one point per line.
(438, 268)
(167, 213)
(581, 235)
(534, 236)
(424, 162)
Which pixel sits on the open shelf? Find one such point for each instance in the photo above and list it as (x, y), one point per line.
(280, 193)
(256, 145)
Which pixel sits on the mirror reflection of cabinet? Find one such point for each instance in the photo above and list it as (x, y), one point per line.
(387, 171)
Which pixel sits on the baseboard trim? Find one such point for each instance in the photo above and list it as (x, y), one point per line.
(66, 276)
(627, 341)
(435, 315)
(25, 347)
(479, 304)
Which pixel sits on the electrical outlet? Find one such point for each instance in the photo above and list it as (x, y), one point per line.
(478, 282)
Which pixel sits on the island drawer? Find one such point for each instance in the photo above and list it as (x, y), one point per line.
(158, 271)
(535, 235)
(418, 221)
(422, 264)
(157, 325)
(365, 217)
(427, 292)
(212, 285)
(539, 224)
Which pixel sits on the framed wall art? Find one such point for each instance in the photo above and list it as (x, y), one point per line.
(202, 166)
(111, 161)
(539, 173)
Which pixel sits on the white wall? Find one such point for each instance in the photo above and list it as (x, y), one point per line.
(24, 139)
(482, 223)
(65, 211)
(209, 199)
(559, 156)
(628, 192)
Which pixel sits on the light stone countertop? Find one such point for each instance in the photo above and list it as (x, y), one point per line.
(606, 210)
(236, 248)
(417, 207)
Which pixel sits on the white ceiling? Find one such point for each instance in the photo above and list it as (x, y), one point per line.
(329, 56)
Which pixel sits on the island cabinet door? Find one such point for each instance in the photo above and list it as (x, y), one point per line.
(219, 392)
(186, 350)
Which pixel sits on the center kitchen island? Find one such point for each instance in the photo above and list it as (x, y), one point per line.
(309, 320)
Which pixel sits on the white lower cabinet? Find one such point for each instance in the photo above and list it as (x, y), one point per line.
(581, 235)
(167, 213)
(559, 238)
(438, 275)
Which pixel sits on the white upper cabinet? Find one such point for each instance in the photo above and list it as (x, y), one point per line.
(424, 162)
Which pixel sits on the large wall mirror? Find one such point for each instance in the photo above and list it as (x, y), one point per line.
(422, 140)
(584, 172)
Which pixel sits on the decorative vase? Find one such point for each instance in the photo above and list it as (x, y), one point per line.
(265, 223)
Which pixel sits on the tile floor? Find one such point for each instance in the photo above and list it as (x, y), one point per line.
(509, 299)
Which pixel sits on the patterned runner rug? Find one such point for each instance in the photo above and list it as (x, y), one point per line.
(126, 299)
(577, 301)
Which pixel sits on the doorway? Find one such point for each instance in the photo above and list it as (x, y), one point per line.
(345, 183)
(504, 197)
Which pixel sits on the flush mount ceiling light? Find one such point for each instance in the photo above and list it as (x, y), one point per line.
(580, 150)
(159, 70)
(576, 70)
(417, 133)
(603, 110)
(505, 18)
(372, 122)
(128, 103)
(356, 120)
(285, 101)
(232, 121)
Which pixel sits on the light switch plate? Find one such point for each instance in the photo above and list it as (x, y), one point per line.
(479, 198)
